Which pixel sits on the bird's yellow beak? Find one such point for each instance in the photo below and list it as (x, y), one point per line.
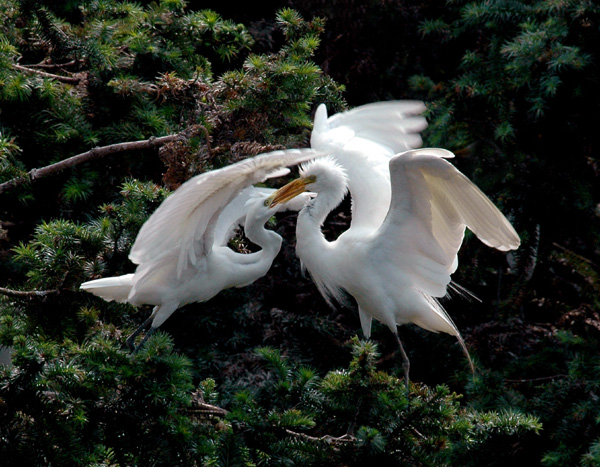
(289, 191)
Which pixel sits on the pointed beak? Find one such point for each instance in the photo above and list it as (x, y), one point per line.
(289, 191)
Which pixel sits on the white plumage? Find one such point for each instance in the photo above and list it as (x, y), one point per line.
(181, 249)
(409, 215)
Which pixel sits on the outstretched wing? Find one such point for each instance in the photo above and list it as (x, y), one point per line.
(363, 140)
(187, 219)
(394, 125)
(432, 203)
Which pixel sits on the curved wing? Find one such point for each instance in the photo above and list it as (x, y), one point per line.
(432, 203)
(363, 140)
(394, 125)
(187, 219)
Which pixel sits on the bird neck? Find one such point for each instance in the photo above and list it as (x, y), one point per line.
(318, 255)
(267, 240)
(309, 236)
(308, 229)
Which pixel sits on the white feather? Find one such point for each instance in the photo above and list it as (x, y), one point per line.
(363, 140)
(187, 219)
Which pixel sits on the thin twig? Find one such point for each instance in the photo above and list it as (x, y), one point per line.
(94, 153)
(203, 408)
(26, 293)
(52, 65)
(64, 79)
(571, 252)
(327, 438)
(535, 380)
(208, 409)
(207, 139)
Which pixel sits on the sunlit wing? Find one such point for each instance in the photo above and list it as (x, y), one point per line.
(395, 125)
(187, 219)
(363, 140)
(432, 203)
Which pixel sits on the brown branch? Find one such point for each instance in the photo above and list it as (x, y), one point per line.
(26, 293)
(64, 79)
(536, 380)
(52, 65)
(203, 408)
(94, 153)
(327, 438)
(207, 138)
(207, 409)
(578, 256)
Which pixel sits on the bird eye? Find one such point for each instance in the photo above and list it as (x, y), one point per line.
(267, 202)
(311, 178)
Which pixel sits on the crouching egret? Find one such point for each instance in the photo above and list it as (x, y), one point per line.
(396, 269)
(181, 250)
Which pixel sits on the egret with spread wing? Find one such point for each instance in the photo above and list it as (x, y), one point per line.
(363, 140)
(395, 264)
(181, 250)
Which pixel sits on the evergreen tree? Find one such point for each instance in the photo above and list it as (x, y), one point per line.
(146, 95)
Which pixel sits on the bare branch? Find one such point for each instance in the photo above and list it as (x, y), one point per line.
(94, 153)
(573, 254)
(536, 380)
(207, 138)
(200, 407)
(64, 79)
(26, 293)
(52, 65)
(203, 408)
(327, 438)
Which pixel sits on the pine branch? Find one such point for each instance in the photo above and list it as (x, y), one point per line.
(202, 408)
(327, 438)
(64, 79)
(537, 380)
(572, 254)
(46, 65)
(26, 293)
(93, 153)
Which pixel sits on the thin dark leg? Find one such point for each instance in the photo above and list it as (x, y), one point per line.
(143, 341)
(131, 339)
(405, 362)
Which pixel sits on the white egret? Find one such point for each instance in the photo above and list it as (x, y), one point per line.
(363, 140)
(181, 250)
(395, 266)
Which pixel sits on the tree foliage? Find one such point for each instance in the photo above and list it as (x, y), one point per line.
(269, 375)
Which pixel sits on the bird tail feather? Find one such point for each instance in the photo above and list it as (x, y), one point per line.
(443, 314)
(110, 288)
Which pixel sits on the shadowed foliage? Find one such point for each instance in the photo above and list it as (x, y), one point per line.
(269, 374)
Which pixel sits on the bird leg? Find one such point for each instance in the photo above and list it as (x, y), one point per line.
(131, 339)
(405, 362)
(143, 341)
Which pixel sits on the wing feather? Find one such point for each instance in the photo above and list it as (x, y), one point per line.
(432, 204)
(363, 140)
(395, 125)
(187, 219)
